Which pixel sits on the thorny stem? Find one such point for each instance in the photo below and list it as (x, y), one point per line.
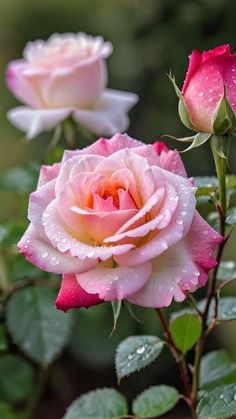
(191, 395)
(176, 354)
(221, 165)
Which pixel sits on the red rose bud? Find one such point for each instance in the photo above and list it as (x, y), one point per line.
(208, 97)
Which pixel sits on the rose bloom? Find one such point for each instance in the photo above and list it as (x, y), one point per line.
(209, 74)
(67, 76)
(118, 220)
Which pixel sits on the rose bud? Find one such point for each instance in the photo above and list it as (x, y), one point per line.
(208, 97)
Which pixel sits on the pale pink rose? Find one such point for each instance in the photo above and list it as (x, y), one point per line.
(66, 76)
(209, 74)
(118, 220)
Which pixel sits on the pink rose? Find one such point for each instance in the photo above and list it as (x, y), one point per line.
(210, 73)
(66, 76)
(118, 220)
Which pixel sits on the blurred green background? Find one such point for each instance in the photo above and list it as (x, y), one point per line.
(150, 37)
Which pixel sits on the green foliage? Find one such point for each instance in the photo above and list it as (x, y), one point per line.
(116, 307)
(219, 403)
(231, 218)
(216, 369)
(10, 233)
(223, 118)
(135, 353)
(205, 185)
(90, 342)
(105, 403)
(226, 270)
(22, 269)
(36, 326)
(226, 309)
(3, 339)
(6, 411)
(185, 331)
(19, 179)
(16, 379)
(155, 401)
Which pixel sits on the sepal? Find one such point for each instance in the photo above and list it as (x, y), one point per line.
(223, 118)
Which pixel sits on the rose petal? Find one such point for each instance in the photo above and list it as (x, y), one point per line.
(105, 147)
(48, 173)
(71, 295)
(35, 121)
(64, 241)
(46, 257)
(202, 232)
(109, 114)
(182, 268)
(177, 228)
(38, 202)
(115, 283)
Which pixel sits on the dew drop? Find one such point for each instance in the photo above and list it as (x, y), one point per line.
(44, 255)
(200, 94)
(140, 350)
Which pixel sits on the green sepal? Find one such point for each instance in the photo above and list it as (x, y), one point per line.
(184, 116)
(116, 308)
(220, 145)
(199, 139)
(183, 112)
(223, 118)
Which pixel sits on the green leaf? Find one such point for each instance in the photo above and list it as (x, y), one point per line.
(206, 181)
(106, 403)
(231, 218)
(223, 118)
(135, 353)
(205, 185)
(116, 308)
(6, 411)
(185, 331)
(226, 270)
(219, 403)
(155, 401)
(226, 309)
(199, 139)
(21, 269)
(216, 369)
(16, 378)
(36, 326)
(3, 339)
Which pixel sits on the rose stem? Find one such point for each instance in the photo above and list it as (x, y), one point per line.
(220, 165)
(177, 356)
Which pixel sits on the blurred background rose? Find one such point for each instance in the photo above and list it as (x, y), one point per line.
(149, 38)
